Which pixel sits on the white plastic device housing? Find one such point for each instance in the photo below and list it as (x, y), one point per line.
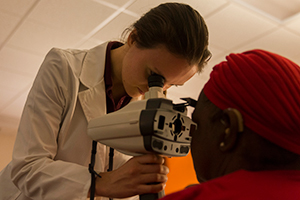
(145, 126)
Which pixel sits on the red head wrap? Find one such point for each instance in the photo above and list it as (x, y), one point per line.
(265, 88)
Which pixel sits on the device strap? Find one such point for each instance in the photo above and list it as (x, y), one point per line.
(94, 174)
(111, 161)
(92, 171)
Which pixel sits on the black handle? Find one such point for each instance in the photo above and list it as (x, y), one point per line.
(153, 196)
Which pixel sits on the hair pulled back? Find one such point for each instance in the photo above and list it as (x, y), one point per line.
(177, 26)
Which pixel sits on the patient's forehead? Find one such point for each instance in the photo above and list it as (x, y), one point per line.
(205, 107)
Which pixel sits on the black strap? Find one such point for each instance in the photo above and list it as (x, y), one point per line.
(111, 161)
(92, 171)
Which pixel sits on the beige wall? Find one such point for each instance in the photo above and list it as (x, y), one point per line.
(8, 132)
(6, 148)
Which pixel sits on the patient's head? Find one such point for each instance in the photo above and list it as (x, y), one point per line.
(248, 116)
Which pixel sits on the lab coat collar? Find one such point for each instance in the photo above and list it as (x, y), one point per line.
(93, 66)
(93, 99)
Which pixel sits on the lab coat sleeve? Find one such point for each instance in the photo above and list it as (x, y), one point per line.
(34, 168)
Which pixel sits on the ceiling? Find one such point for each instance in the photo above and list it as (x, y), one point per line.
(30, 28)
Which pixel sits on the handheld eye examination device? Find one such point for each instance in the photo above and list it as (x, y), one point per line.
(151, 125)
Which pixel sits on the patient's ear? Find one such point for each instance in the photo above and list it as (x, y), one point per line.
(233, 121)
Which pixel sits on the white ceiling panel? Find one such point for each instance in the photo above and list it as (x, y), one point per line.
(70, 16)
(142, 6)
(204, 7)
(89, 43)
(207, 7)
(9, 22)
(294, 24)
(281, 41)
(19, 61)
(234, 26)
(278, 9)
(40, 39)
(16, 7)
(114, 3)
(115, 28)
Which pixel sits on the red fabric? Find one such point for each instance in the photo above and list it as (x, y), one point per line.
(245, 185)
(265, 88)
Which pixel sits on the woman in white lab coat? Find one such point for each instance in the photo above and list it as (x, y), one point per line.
(52, 149)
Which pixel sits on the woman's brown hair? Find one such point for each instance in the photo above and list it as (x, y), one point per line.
(177, 26)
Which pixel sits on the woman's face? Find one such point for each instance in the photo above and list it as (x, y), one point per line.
(139, 63)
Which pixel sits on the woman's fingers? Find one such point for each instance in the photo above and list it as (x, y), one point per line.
(139, 175)
(152, 178)
(150, 159)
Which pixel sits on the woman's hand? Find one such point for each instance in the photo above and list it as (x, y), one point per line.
(139, 175)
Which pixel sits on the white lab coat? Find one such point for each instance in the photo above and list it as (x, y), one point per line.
(52, 149)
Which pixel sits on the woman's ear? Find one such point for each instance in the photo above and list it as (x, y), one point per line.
(233, 121)
(132, 37)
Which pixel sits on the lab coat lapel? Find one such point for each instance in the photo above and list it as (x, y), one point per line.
(93, 99)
